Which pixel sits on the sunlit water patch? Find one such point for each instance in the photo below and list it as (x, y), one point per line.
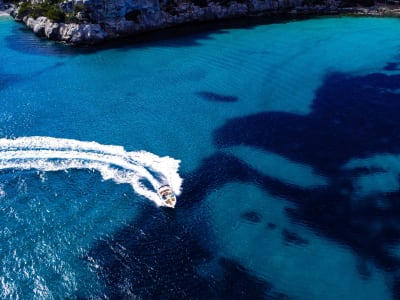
(279, 167)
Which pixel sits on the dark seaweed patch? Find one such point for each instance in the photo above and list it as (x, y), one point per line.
(210, 96)
(293, 238)
(157, 261)
(392, 66)
(351, 117)
(251, 216)
(8, 79)
(240, 283)
(363, 269)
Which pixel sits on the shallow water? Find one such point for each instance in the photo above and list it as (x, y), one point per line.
(288, 140)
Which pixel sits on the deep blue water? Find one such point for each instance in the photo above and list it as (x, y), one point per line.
(288, 137)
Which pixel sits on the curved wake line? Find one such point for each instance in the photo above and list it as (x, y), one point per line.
(113, 162)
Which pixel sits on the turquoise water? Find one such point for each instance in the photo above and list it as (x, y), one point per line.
(287, 137)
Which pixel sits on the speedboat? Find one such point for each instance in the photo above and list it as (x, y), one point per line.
(167, 196)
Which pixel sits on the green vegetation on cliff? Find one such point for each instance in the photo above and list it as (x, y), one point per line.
(50, 9)
(47, 9)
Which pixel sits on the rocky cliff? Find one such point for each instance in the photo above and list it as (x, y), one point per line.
(93, 21)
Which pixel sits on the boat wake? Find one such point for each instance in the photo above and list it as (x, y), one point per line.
(112, 162)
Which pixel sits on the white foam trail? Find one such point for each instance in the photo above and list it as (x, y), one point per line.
(113, 162)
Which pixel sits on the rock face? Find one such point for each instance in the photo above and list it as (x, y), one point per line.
(108, 19)
(82, 33)
(69, 33)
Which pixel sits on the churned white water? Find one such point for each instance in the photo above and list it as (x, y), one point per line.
(113, 162)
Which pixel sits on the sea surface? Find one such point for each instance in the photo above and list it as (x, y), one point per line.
(281, 140)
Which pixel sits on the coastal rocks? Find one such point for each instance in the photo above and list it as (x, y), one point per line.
(6, 9)
(124, 17)
(82, 33)
(120, 27)
(53, 31)
(14, 13)
(103, 10)
(37, 25)
(98, 20)
(152, 19)
(108, 19)
(69, 33)
(374, 11)
(259, 6)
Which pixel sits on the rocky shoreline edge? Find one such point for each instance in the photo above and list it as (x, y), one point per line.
(88, 33)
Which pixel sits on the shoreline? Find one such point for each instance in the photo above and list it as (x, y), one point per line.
(4, 14)
(99, 33)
